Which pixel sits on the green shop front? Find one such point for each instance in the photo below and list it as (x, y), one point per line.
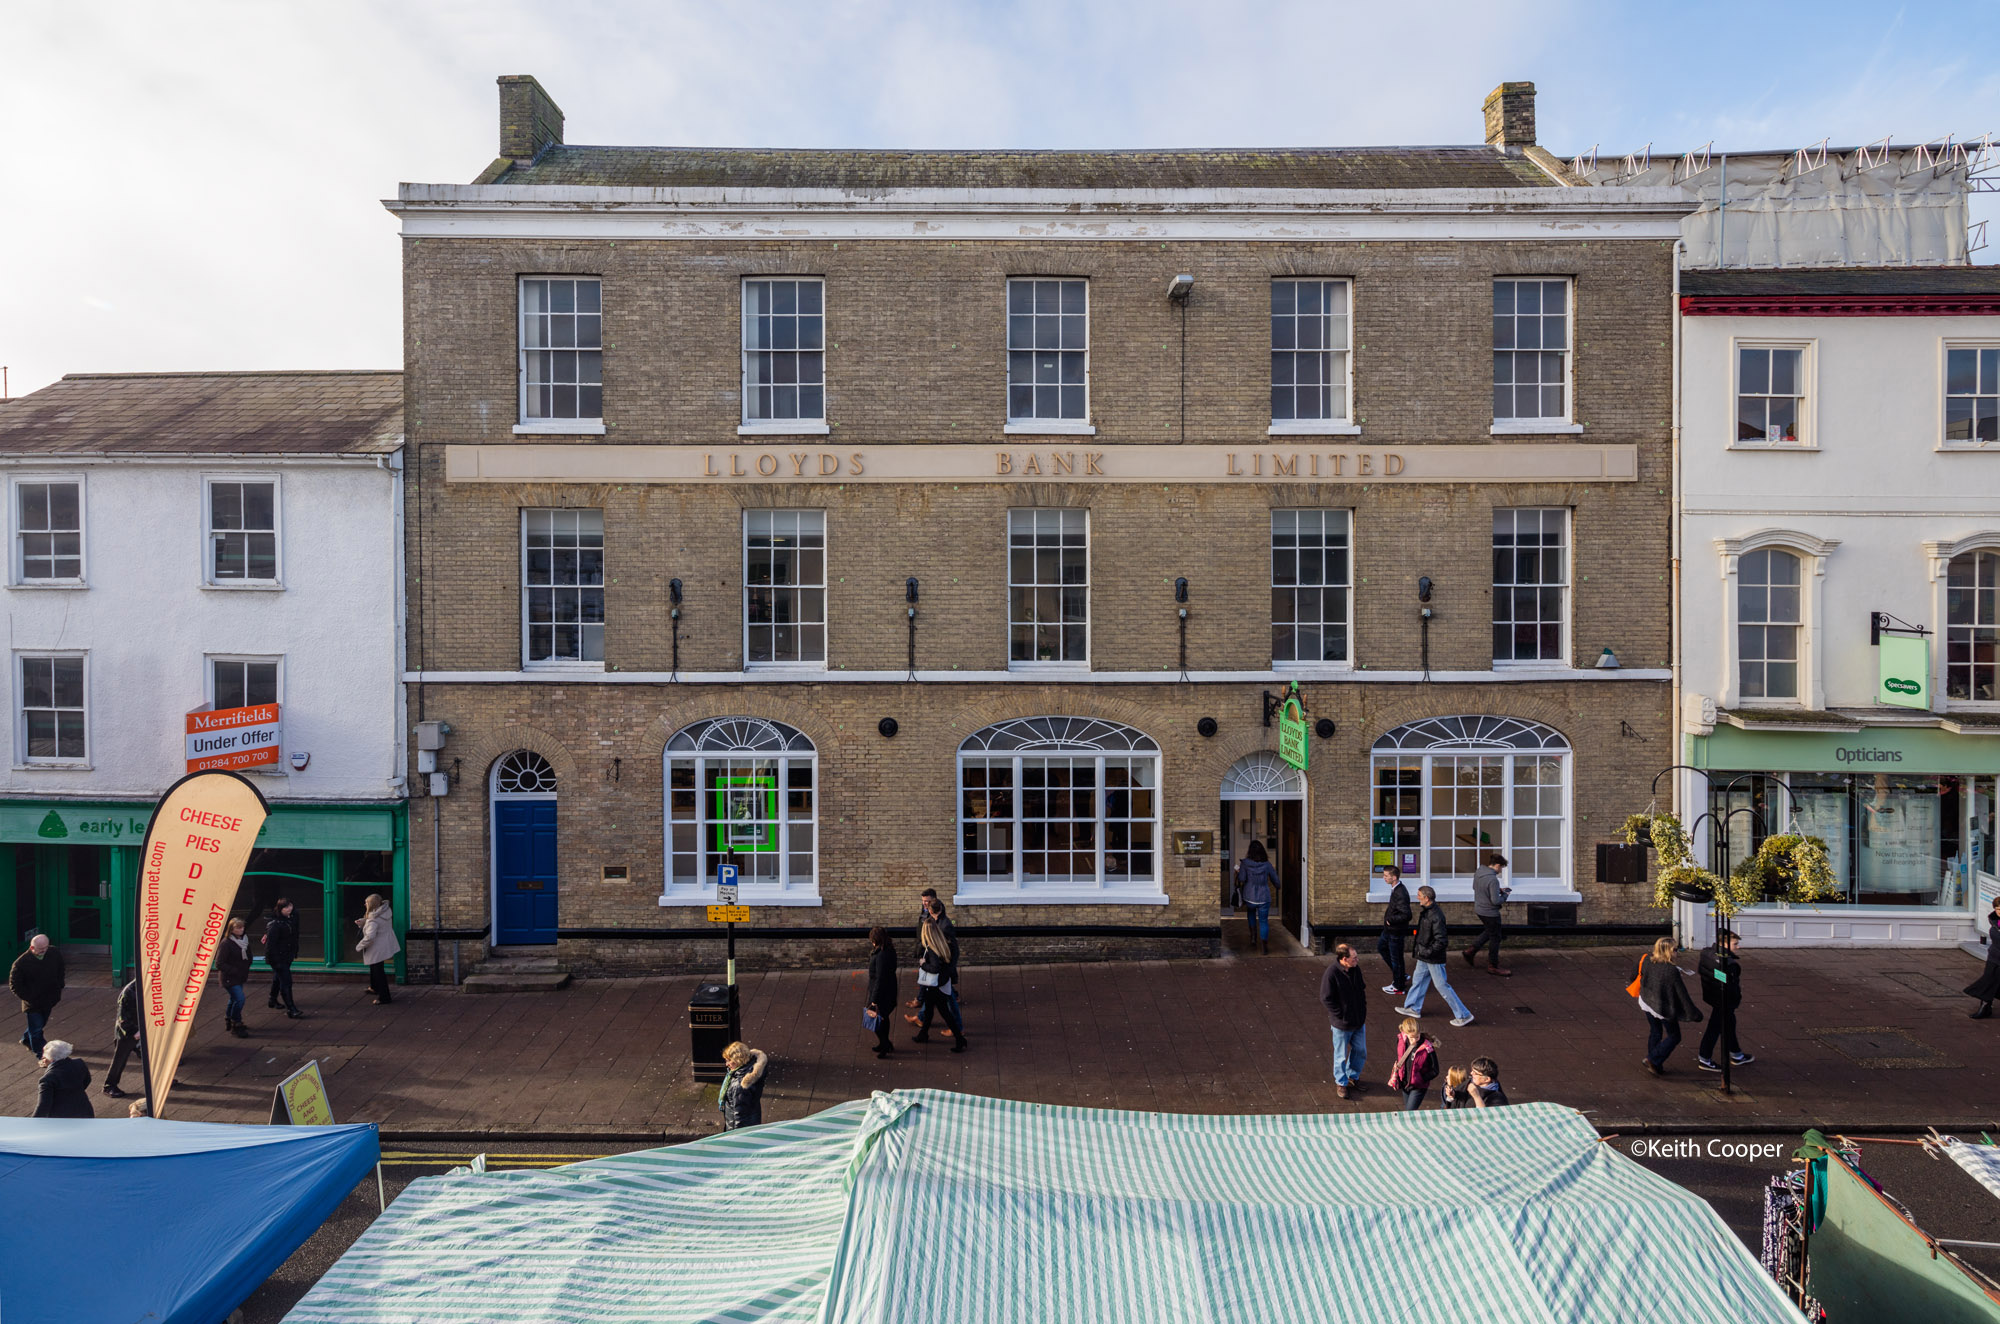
(1906, 808)
(70, 869)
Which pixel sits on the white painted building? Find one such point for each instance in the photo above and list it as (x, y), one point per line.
(181, 541)
(1840, 457)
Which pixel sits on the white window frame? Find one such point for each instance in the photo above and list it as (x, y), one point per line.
(19, 576)
(1940, 555)
(1944, 384)
(1808, 393)
(1796, 625)
(559, 663)
(826, 625)
(1346, 663)
(1565, 659)
(788, 890)
(1812, 552)
(1058, 664)
(22, 759)
(208, 532)
(1017, 890)
(1343, 426)
(1033, 426)
(523, 423)
(1542, 425)
(209, 660)
(1455, 887)
(747, 426)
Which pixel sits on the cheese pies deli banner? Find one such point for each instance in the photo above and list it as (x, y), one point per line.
(197, 845)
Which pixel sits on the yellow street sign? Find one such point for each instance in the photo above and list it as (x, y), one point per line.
(729, 914)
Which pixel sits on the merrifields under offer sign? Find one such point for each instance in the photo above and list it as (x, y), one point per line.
(231, 739)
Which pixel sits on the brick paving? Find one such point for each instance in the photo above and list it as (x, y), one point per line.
(609, 1057)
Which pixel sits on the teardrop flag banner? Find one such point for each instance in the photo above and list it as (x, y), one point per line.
(197, 845)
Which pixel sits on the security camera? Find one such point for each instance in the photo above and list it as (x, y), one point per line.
(1179, 288)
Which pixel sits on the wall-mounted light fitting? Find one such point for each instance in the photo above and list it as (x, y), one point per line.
(1324, 728)
(1207, 726)
(888, 727)
(1179, 288)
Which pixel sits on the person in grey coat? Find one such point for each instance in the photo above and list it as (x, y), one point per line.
(1258, 883)
(1488, 895)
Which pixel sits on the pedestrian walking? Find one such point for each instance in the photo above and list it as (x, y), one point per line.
(1343, 990)
(1719, 972)
(36, 978)
(1489, 894)
(1663, 996)
(741, 1094)
(881, 989)
(1395, 927)
(1416, 1064)
(65, 1083)
(1486, 1091)
(232, 971)
(932, 909)
(1457, 1089)
(1257, 883)
(377, 944)
(281, 948)
(1432, 948)
(936, 970)
(1987, 986)
(126, 1027)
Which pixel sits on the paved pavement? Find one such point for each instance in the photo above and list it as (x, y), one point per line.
(1850, 1039)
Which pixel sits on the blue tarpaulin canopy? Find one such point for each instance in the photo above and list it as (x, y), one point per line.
(118, 1221)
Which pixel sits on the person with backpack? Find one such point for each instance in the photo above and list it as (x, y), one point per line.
(1433, 948)
(1416, 1064)
(1719, 972)
(1258, 884)
(1664, 998)
(1395, 927)
(1343, 990)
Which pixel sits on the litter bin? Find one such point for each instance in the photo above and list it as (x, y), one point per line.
(714, 1023)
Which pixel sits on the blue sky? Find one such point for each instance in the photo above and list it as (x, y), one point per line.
(197, 185)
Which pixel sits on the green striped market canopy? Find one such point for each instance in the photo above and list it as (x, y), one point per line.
(925, 1206)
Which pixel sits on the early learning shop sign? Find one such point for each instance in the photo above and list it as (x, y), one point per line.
(231, 739)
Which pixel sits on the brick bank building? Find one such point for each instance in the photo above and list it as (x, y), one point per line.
(892, 519)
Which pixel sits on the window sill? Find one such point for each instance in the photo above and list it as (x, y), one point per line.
(1534, 427)
(800, 428)
(1972, 447)
(744, 897)
(786, 668)
(1315, 667)
(593, 667)
(1056, 668)
(54, 766)
(561, 428)
(69, 585)
(1068, 896)
(1537, 664)
(1313, 428)
(1048, 428)
(1536, 892)
(1780, 446)
(247, 586)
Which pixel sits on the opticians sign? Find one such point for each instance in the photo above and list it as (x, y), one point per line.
(232, 739)
(1905, 677)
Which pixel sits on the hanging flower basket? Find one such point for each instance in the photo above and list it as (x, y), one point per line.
(1691, 892)
(1787, 867)
(1680, 878)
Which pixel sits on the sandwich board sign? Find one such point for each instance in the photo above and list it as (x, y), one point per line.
(300, 1099)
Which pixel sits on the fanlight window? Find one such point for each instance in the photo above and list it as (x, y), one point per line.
(1263, 776)
(741, 790)
(524, 772)
(739, 734)
(1058, 733)
(1058, 805)
(1473, 732)
(1450, 790)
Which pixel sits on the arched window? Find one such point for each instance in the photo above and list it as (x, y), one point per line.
(1059, 809)
(742, 788)
(1262, 775)
(1972, 626)
(1767, 624)
(1450, 789)
(524, 772)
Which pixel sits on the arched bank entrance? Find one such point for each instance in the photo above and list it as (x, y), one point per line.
(1263, 799)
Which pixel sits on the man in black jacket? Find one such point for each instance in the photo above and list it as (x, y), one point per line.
(36, 978)
(1433, 945)
(1395, 927)
(281, 948)
(1720, 974)
(126, 1026)
(1343, 989)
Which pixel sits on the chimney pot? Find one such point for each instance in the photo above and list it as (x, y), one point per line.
(530, 120)
(1510, 115)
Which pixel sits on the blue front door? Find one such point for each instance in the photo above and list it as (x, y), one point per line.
(524, 851)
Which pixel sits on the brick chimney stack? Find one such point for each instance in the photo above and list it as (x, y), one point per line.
(1510, 115)
(531, 121)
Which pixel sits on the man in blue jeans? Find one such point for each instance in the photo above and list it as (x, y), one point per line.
(1343, 989)
(1433, 945)
(1258, 883)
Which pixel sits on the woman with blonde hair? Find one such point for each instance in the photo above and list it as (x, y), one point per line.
(935, 973)
(377, 944)
(741, 1094)
(1663, 996)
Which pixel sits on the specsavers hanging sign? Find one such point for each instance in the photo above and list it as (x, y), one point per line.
(227, 739)
(1905, 666)
(196, 846)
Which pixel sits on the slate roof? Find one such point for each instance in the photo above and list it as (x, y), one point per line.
(1875, 282)
(208, 413)
(862, 171)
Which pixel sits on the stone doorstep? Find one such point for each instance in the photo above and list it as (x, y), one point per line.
(526, 981)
